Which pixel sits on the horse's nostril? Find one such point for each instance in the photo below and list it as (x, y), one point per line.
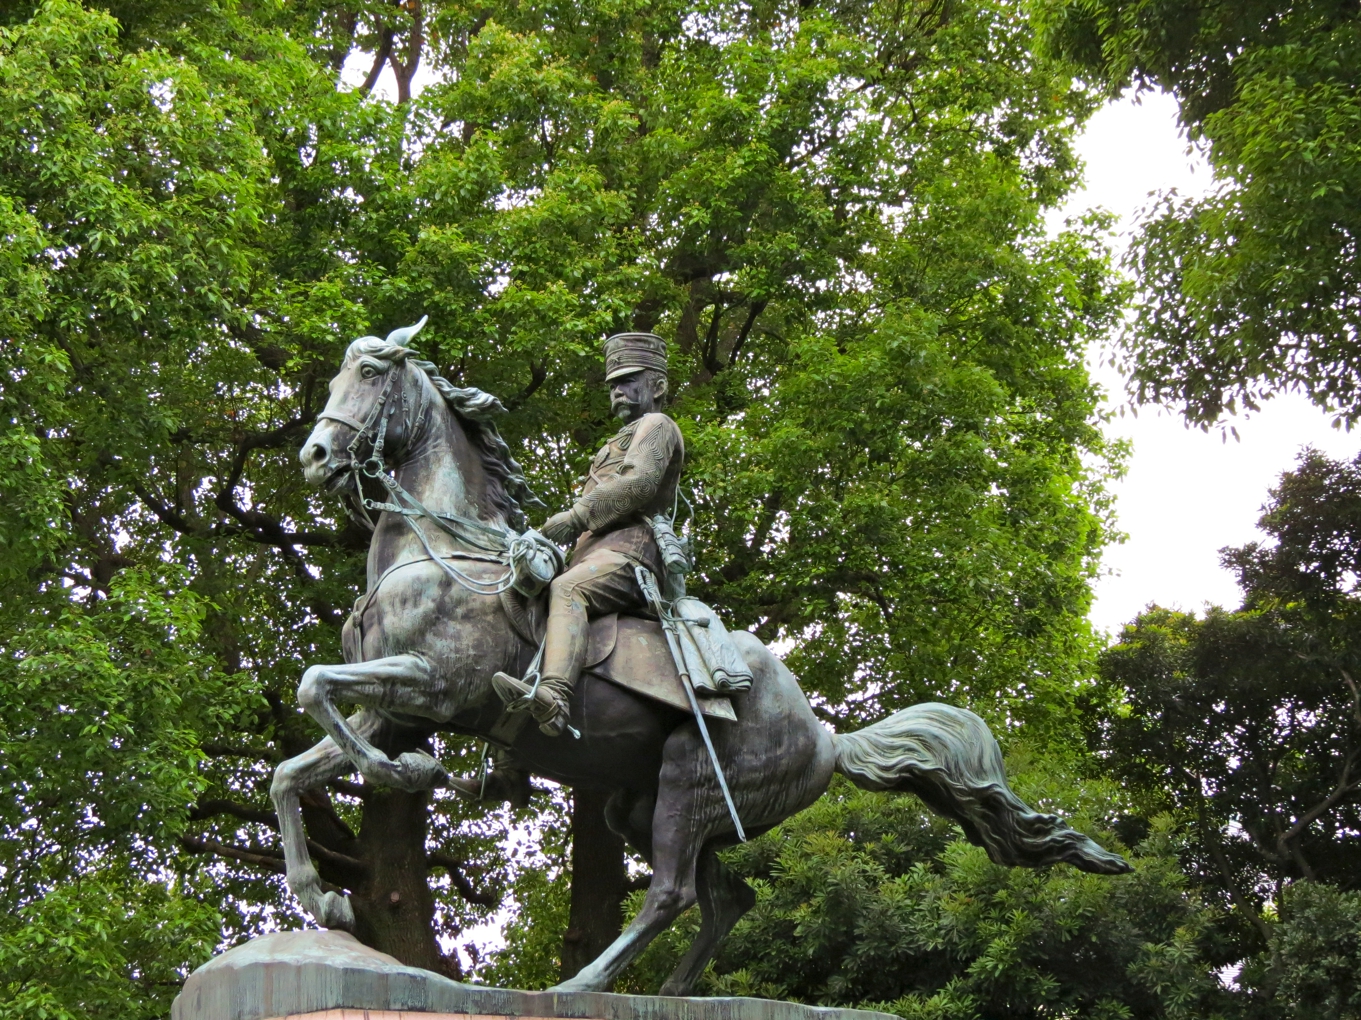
(317, 452)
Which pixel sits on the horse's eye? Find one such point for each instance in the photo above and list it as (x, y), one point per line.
(368, 372)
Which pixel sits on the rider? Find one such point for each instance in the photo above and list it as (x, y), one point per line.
(632, 478)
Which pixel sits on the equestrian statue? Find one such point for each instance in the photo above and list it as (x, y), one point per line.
(474, 624)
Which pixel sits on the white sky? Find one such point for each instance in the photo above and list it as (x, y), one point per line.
(1188, 493)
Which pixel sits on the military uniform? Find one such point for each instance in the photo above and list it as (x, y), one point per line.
(632, 479)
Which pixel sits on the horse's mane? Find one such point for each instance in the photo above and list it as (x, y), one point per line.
(476, 410)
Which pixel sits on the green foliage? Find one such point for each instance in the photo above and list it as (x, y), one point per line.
(833, 209)
(104, 947)
(101, 738)
(866, 899)
(532, 955)
(1246, 725)
(1311, 969)
(1252, 289)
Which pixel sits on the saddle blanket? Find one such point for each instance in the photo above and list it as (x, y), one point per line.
(632, 652)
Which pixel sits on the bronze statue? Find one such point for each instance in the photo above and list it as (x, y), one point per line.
(441, 615)
(632, 479)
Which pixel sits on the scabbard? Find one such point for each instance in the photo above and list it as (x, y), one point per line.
(649, 585)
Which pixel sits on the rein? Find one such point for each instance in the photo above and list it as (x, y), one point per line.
(456, 526)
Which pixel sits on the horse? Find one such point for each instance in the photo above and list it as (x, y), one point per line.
(433, 626)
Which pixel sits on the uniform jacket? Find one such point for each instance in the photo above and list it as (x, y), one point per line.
(632, 478)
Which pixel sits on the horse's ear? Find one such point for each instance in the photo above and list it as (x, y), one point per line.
(399, 337)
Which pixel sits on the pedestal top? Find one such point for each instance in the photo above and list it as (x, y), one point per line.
(333, 976)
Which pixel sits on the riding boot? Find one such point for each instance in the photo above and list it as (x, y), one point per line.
(599, 585)
(563, 656)
(564, 653)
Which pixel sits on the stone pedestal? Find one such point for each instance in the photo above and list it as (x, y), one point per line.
(330, 975)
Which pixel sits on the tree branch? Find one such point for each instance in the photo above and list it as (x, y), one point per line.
(454, 867)
(214, 807)
(347, 22)
(269, 355)
(349, 789)
(711, 362)
(337, 860)
(1222, 863)
(757, 307)
(538, 373)
(379, 59)
(267, 859)
(227, 751)
(1285, 842)
(163, 513)
(1356, 697)
(405, 70)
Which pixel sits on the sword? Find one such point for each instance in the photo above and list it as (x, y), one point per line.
(649, 585)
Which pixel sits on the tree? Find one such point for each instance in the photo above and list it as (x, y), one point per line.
(1251, 290)
(1248, 723)
(868, 900)
(832, 208)
(1311, 968)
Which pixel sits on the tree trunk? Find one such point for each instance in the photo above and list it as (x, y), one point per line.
(394, 909)
(599, 883)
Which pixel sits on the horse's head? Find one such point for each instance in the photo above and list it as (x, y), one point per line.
(377, 401)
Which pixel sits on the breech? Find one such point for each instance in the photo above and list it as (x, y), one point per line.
(603, 582)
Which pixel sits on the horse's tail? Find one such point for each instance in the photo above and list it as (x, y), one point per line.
(948, 758)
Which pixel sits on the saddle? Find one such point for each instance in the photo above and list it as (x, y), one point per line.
(629, 651)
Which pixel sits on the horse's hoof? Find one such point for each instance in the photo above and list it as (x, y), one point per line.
(336, 912)
(419, 771)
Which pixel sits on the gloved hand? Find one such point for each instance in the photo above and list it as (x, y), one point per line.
(564, 528)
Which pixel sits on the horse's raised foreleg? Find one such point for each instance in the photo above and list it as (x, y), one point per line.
(723, 898)
(309, 770)
(397, 683)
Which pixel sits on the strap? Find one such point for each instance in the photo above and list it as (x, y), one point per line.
(442, 521)
(456, 555)
(475, 585)
(466, 530)
(344, 419)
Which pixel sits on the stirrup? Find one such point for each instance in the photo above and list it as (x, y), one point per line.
(513, 692)
(551, 713)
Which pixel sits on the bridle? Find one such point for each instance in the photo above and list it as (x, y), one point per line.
(374, 430)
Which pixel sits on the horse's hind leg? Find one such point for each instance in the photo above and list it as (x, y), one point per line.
(723, 898)
(689, 808)
(629, 814)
